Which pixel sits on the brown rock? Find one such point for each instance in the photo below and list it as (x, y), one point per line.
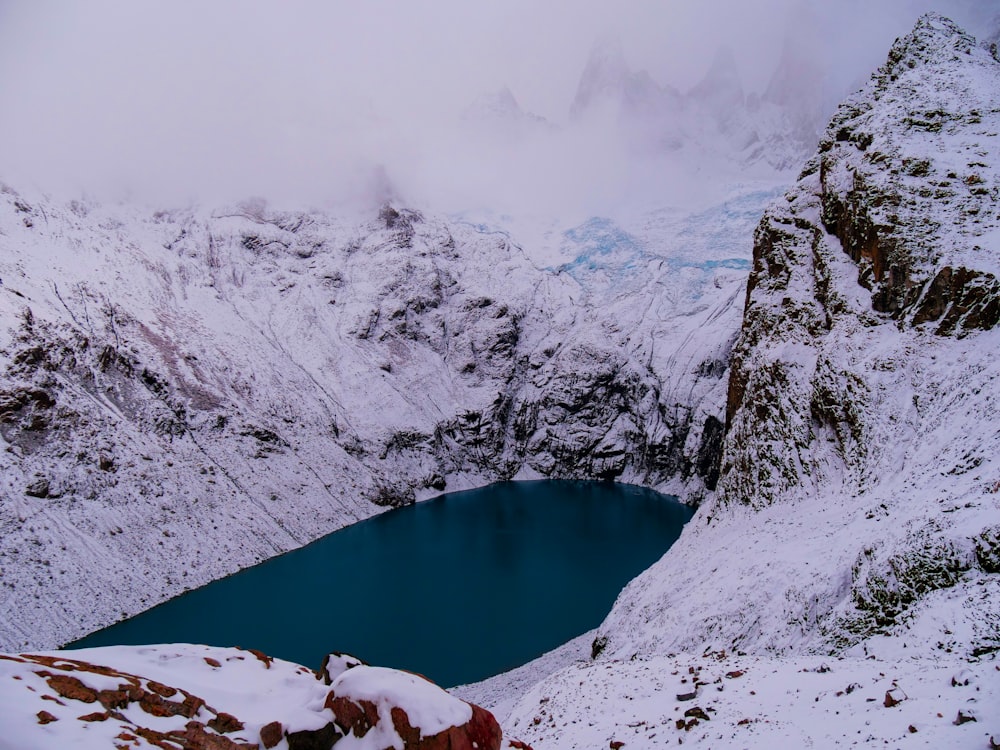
(271, 734)
(616, 744)
(352, 717)
(96, 716)
(315, 739)
(212, 662)
(401, 723)
(964, 718)
(261, 656)
(44, 717)
(481, 733)
(336, 663)
(113, 698)
(697, 712)
(72, 688)
(160, 689)
(894, 697)
(224, 723)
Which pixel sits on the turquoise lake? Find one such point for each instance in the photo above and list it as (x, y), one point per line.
(458, 588)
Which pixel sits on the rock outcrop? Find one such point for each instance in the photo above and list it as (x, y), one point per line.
(223, 699)
(862, 407)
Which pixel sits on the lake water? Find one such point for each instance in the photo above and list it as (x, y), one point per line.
(458, 588)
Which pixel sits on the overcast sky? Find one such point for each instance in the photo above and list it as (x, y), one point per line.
(298, 97)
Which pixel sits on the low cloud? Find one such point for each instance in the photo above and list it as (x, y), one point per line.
(305, 100)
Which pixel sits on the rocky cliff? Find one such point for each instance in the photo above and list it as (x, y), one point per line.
(858, 507)
(863, 392)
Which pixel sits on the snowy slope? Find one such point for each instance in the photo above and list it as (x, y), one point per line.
(857, 514)
(199, 697)
(188, 392)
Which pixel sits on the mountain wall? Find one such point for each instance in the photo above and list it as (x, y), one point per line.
(185, 393)
(859, 495)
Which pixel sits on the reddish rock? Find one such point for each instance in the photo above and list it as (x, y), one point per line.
(212, 662)
(616, 744)
(195, 737)
(44, 717)
(72, 688)
(160, 689)
(481, 733)
(96, 716)
(401, 723)
(113, 698)
(271, 734)
(261, 656)
(224, 723)
(353, 717)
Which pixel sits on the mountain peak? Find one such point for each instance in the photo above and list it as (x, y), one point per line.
(721, 83)
(933, 38)
(605, 75)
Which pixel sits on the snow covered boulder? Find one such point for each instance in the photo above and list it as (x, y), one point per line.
(387, 705)
(206, 698)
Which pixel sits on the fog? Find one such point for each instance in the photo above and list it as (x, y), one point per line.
(309, 101)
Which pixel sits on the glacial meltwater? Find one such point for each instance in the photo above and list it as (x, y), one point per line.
(458, 588)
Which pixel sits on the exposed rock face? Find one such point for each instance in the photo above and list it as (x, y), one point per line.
(243, 701)
(906, 180)
(877, 184)
(862, 407)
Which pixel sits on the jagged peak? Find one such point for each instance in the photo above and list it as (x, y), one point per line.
(608, 53)
(500, 102)
(605, 72)
(933, 38)
(722, 77)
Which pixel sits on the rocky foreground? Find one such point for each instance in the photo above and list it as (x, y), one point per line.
(205, 698)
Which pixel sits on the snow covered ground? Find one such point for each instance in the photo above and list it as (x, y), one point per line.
(191, 696)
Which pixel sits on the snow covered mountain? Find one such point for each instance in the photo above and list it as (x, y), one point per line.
(187, 393)
(715, 119)
(216, 387)
(856, 526)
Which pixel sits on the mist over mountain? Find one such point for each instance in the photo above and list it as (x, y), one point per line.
(301, 104)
